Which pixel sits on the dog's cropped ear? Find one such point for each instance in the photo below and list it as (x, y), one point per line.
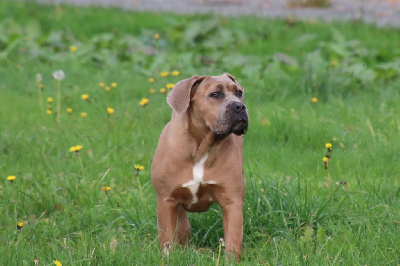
(231, 77)
(179, 96)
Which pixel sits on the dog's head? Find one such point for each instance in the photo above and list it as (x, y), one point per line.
(215, 101)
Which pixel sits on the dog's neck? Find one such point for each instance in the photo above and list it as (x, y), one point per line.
(204, 147)
(197, 129)
(206, 141)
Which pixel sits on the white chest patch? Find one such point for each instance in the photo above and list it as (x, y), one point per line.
(198, 173)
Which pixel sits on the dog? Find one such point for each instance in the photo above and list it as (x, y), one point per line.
(198, 160)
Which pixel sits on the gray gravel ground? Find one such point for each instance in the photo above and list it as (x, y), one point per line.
(380, 12)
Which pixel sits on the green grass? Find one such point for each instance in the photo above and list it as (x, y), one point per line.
(293, 214)
(309, 3)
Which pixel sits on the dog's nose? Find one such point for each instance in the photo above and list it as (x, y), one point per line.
(237, 107)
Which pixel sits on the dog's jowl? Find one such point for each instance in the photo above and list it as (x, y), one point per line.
(198, 160)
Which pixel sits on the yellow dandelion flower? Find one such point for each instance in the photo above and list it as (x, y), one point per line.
(11, 178)
(49, 112)
(151, 80)
(50, 100)
(175, 73)
(107, 88)
(114, 84)
(334, 63)
(84, 114)
(106, 189)
(20, 224)
(328, 145)
(144, 102)
(163, 90)
(73, 48)
(152, 91)
(314, 100)
(72, 149)
(139, 167)
(85, 97)
(156, 36)
(324, 159)
(69, 110)
(76, 148)
(101, 84)
(170, 85)
(110, 110)
(57, 262)
(164, 74)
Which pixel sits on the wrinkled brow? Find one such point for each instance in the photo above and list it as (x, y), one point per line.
(233, 87)
(220, 86)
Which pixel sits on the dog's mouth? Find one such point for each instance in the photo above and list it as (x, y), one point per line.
(233, 118)
(238, 127)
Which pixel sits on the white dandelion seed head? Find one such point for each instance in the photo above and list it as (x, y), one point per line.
(39, 77)
(166, 249)
(58, 75)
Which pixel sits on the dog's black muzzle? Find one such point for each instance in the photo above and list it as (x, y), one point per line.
(238, 117)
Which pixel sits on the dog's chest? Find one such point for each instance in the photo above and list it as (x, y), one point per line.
(196, 194)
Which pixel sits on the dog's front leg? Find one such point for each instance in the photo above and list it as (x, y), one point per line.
(233, 228)
(183, 227)
(166, 221)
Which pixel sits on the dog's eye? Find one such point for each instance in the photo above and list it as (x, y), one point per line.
(239, 94)
(216, 94)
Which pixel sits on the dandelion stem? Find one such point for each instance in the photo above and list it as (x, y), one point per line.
(80, 162)
(40, 96)
(23, 194)
(219, 253)
(156, 47)
(58, 101)
(326, 160)
(109, 200)
(165, 252)
(329, 181)
(140, 186)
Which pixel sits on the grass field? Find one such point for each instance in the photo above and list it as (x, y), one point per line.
(296, 212)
